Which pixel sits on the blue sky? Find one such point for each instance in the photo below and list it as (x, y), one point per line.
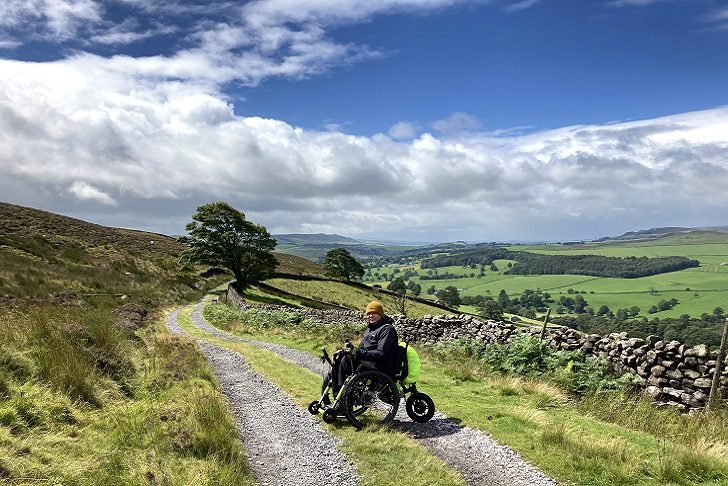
(427, 120)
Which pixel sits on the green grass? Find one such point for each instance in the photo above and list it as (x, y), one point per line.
(698, 290)
(605, 439)
(84, 403)
(383, 456)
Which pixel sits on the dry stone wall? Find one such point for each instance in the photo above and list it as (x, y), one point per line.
(669, 372)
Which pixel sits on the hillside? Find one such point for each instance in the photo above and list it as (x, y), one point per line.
(295, 265)
(89, 380)
(45, 255)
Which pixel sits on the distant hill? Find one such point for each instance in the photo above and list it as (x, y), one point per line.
(663, 232)
(313, 239)
(315, 246)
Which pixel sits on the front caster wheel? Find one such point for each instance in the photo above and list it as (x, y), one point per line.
(313, 408)
(420, 407)
(329, 416)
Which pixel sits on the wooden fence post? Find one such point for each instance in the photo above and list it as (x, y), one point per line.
(714, 398)
(545, 321)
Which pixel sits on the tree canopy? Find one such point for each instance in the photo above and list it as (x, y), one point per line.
(397, 286)
(219, 235)
(340, 264)
(449, 296)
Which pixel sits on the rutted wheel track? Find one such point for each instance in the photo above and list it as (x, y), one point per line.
(477, 457)
(284, 443)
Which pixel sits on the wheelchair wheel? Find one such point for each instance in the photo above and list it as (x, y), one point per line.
(329, 416)
(370, 397)
(420, 407)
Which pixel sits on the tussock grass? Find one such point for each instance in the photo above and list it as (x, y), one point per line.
(84, 403)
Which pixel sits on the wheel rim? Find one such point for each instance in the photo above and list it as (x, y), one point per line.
(371, 398)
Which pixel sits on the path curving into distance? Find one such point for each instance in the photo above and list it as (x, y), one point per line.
(472, 453)
(284, 443)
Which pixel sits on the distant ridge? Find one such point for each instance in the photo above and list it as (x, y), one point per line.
(313, 239)
(662, 232)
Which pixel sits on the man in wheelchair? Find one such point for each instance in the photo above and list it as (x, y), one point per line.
(364, 381)
(377, 350)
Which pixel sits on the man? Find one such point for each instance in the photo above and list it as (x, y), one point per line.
(377, 349)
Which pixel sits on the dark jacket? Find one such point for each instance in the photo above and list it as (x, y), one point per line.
(379, 346)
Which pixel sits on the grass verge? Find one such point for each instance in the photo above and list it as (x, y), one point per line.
(84, 403)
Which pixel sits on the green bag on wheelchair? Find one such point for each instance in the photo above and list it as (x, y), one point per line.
(412, 364)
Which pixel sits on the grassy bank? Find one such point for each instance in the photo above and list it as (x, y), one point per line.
(84, 402)
(601, 438)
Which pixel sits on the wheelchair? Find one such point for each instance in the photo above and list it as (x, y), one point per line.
(370, 397)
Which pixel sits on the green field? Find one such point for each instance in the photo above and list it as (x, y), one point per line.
(698, 290)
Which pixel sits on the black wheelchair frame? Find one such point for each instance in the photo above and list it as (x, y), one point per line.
(371, 397)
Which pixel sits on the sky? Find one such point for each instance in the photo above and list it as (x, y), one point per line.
(409, 120)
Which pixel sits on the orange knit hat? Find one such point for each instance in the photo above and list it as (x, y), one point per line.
(376, 307)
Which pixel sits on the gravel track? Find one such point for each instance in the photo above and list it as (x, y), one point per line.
(472, 453)
(285, 444)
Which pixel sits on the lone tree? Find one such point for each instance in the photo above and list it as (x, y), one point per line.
(397, 286)
(449, 296)
(340, 264)
(490, 310)
(219, 235)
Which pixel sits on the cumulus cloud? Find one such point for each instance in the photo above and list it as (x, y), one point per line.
(402, 130)
(67, 129)
(86, 192)
(159, 134)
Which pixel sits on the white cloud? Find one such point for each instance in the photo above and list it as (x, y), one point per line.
(57, 19)
(158, 133)
(522, 5)
(637, 3)
(95, 127)
(456, 123)
(227, 41)
(402, 130)
(86, 192)
(718, 19)
(128, 32)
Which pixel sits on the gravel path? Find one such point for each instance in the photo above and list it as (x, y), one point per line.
(285, 444)
(477, 457)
